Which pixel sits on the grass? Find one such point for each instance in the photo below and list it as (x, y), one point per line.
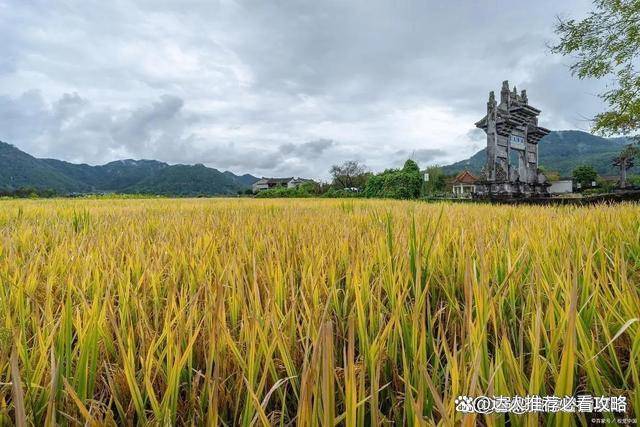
(311, 312)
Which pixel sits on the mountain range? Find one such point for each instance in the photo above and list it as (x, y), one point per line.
(19, 170)
(562, 151)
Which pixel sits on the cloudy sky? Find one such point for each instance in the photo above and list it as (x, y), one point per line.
(278, 87)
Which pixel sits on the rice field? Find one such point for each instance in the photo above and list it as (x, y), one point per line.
(311, 312)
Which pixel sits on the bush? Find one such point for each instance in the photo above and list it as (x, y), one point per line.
(437, 182)
(337, 193)
(27, 192)
(605, 186)
(308, 189)
(634, 180)
(402, 183)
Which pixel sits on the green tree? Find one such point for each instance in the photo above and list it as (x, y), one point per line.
(307, 189)
(402, 183)
(411, 166)
(607, 44)
(350, 174)
(437, 181)
(585, 175)
(412, 175)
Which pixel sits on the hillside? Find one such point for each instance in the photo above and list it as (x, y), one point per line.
(187, 180)
(19, 169)
(245, 180)
(116, 175)
(562, 151)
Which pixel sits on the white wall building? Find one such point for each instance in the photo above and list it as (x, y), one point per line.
(267, 183)
(564, 186)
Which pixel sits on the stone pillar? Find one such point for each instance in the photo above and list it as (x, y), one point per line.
(492, 138)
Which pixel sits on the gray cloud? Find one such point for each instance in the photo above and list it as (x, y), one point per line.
(428, 155)
(75, 126)
(275, 87)
(421, 155)
(307, 149)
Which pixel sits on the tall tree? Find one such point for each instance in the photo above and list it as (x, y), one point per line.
(350, 174)
(607, 44)
(436, 183)
(585, 175)
(624, 161)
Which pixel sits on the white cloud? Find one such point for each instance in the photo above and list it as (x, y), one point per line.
(275, 87)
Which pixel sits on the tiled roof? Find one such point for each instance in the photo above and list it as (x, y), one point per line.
(465, 177)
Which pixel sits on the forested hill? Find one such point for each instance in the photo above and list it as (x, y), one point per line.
(21, 170)
(562, 151)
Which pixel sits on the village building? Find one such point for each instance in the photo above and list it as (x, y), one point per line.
(268, 183)
(568, 185)
(561, 186)
(296, 182)
(464, 184)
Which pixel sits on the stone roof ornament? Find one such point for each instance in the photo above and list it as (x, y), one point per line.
(504, 95)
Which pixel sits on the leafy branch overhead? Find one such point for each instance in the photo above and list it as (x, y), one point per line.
(607, 44)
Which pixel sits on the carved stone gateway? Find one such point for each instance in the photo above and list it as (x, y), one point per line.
(512, 147)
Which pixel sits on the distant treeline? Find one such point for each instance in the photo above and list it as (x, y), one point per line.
(40, 193)
(28, 193)
(352, 179)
